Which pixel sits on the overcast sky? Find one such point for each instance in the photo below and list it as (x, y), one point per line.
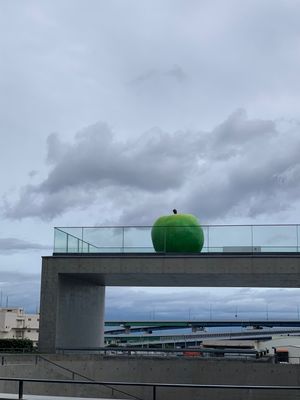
(115, 112)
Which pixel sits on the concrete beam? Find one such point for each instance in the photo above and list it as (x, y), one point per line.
(219, 270)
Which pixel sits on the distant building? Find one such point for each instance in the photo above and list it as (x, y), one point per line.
(285, 347)
(15, 324)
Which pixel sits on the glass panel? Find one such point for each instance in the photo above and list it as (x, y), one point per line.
(105, 239)
(235, 238)
(85, 248)
(205, 248)
(275, 237)
(60, 241)
(76, 232)
(73, 244)
(229, 238)
(138, 239)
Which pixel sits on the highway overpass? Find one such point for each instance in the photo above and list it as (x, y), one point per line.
(150, 325)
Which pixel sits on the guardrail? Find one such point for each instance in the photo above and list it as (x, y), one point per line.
(153, 386)
(217, 239)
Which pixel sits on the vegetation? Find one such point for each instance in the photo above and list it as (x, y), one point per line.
(16, 345)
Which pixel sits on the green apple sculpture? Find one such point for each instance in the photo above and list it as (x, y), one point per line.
(177, 233)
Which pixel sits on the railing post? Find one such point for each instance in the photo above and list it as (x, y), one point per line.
(154, 392)
(20, 389)
(82, 240)
(208, 239)
(2, 360)
(123, 238)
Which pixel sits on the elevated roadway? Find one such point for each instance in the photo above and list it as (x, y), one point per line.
(146, 326)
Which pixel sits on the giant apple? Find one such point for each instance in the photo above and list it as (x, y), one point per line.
(177, 233)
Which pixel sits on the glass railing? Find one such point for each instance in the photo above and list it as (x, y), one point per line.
(217, 239)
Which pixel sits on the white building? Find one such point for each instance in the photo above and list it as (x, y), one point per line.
(15, 324)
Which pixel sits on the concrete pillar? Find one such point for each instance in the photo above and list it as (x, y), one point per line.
(48, 308)
(80, 313)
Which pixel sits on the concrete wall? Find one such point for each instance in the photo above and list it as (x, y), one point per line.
(166, 370)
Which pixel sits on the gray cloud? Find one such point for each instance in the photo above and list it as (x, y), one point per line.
(243, 166)
(175, 73)
(32, 173)
(20, 290)
(9, 245)
(202, 303)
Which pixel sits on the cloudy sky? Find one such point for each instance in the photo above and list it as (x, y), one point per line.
(115, 112)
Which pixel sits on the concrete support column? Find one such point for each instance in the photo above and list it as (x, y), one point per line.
(80, 313)
(48, 308)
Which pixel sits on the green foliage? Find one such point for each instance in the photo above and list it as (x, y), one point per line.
(16, 345)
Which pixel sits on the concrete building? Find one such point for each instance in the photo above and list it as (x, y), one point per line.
(15, 324)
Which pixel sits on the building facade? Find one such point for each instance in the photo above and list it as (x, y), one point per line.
(15, 324)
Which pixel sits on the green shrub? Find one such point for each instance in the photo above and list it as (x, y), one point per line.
(17, 345)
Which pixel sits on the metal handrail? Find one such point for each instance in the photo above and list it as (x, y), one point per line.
(150, 226)
(156, 350)
(152, 385)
